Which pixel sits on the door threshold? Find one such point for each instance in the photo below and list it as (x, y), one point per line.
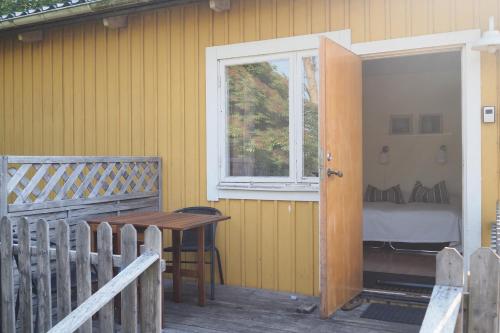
(395, 296)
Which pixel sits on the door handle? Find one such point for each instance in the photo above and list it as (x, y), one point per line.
(333, 172)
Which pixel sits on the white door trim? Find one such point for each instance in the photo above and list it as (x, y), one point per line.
(471, 120)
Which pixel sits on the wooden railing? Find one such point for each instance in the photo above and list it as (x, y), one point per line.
(57, 262)
(450, 299)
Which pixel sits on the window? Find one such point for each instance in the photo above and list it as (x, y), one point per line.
(401, 124)
(310, 109)
(431, 124)
(257, 115)
(262, 103)
(270, 119)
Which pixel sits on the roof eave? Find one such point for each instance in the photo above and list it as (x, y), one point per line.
(63, 13)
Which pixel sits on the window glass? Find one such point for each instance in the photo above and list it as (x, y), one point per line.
(310, 115)
(258, 119)
(401, 124)
(431, 123)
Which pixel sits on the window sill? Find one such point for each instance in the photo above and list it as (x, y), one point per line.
(272, 191)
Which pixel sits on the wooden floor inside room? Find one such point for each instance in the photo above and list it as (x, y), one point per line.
(254, 310)
(386, 260)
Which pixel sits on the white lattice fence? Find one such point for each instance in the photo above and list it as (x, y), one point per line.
(63, 184)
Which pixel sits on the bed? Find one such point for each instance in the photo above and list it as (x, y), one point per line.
(412, 222)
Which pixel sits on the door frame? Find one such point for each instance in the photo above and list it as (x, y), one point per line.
(470, 112)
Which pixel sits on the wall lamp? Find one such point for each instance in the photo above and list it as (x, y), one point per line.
(384, 157)
(442, 155)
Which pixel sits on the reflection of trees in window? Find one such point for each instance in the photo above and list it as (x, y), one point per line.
(258, 121)
(310, 100)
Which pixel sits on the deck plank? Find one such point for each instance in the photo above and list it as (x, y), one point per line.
(255, 310)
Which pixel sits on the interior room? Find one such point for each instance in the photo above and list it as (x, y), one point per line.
(412, 167)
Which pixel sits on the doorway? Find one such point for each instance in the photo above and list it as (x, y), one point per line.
(459, 42)
(412, 168)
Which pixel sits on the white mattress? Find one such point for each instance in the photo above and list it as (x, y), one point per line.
(411, 223)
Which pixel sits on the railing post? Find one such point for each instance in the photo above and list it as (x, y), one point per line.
(450, 272)
(4, 176)
(484, 291)
(150, 284)
(444, 313)
(129, 294)
(44, 277)
(24, 267)
(449, 268)
(105, 273)
(83, 284)
(7, 279)
(63, 274)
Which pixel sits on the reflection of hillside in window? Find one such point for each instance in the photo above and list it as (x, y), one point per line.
(258, 119)
(310, 109)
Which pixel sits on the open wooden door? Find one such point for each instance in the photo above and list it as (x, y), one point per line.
(341, 197)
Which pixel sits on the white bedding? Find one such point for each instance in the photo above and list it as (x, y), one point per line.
(411, 223)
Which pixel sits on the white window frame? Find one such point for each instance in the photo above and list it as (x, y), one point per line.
(223, 147)
(295, 187)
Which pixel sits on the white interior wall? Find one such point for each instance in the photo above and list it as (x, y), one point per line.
(412, 85)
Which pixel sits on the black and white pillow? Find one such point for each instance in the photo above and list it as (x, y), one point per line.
(392, 194)
(436, 194)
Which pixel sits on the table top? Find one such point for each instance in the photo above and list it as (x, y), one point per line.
(171, 221)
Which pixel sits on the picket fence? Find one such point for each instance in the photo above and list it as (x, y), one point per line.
(454, 308)
(55, 261)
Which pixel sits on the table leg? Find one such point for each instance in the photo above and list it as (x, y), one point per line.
(118, 240)
(176, 263)
(93, 230)
(201, 265)
(212, 263)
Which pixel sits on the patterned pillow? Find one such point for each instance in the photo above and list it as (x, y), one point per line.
(436, 194)
(392, 194)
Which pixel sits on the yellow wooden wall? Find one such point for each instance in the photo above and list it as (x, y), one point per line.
(86, 90)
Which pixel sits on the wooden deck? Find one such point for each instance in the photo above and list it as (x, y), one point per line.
(255, 310)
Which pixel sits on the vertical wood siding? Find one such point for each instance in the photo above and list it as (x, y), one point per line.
(141, 91)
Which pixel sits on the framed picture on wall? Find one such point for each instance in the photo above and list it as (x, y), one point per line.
(401, 124)
(430, 124)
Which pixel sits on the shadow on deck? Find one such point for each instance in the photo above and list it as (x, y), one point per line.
(255, 310)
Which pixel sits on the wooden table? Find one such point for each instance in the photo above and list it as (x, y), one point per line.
(176, 222)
